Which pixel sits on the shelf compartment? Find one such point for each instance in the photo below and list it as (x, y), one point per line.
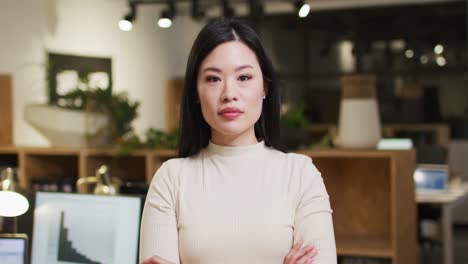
(8, 160)
(49, 167)
(130, 168)
(364, 247)
(361, 197)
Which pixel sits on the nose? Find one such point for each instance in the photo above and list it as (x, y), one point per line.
(229, 91)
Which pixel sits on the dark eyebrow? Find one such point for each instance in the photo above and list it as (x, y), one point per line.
(214, 69)
(243, 67)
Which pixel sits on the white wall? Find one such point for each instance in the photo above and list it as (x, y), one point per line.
(143, 59)
(22, 54)
(180, 38)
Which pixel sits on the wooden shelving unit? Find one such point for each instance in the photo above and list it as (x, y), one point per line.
(371, 192)
(49, 164)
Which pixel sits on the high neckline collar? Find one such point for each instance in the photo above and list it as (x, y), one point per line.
(228, 151)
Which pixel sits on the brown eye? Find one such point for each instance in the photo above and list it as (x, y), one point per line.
(244, 78)
(213, 79)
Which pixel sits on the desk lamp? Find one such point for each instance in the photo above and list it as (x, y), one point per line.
(12, 203)
(104, 183)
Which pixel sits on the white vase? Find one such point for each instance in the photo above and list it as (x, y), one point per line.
(359, 122)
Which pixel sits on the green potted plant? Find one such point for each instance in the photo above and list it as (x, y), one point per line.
(293, 126)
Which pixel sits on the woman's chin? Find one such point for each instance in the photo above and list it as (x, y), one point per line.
(230, 132)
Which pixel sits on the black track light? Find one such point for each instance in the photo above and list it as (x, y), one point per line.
(165, 21)
(228, 11)
(126, 24)
(302, 8)
(196, 12)
(256, 8)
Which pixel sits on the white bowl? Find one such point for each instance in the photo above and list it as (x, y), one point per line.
(64, 127)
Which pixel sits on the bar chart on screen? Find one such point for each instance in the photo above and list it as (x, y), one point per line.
(74, 237)
(85, 229)
(66, 251)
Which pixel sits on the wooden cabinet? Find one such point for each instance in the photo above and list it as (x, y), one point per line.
(371, 192)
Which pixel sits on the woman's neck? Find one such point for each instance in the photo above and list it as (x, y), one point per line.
(239, 140)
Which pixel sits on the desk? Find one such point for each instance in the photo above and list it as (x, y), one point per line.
(448, 201)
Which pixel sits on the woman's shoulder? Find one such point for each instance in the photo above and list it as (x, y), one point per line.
(173, 165)
(169, 171)
(289, 157)
(297, 168)
(176, 163)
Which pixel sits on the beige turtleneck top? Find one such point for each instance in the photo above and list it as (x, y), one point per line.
(236, 205)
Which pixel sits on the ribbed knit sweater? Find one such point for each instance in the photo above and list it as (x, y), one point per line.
(236, 205)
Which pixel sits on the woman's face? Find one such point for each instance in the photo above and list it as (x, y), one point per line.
(231, 89)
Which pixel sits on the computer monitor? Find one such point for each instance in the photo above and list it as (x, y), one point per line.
(82, 228)
(13, 249)
(431, 177)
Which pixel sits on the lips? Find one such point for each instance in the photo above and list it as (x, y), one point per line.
(230, 112)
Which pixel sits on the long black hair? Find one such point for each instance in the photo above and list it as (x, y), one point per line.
(195, 132)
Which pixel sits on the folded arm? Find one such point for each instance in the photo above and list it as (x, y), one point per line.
(313, 220)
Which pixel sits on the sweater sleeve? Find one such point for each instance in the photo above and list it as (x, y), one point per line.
(158, 232)
(313, 219)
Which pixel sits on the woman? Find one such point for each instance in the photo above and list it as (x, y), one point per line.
(232, 197)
